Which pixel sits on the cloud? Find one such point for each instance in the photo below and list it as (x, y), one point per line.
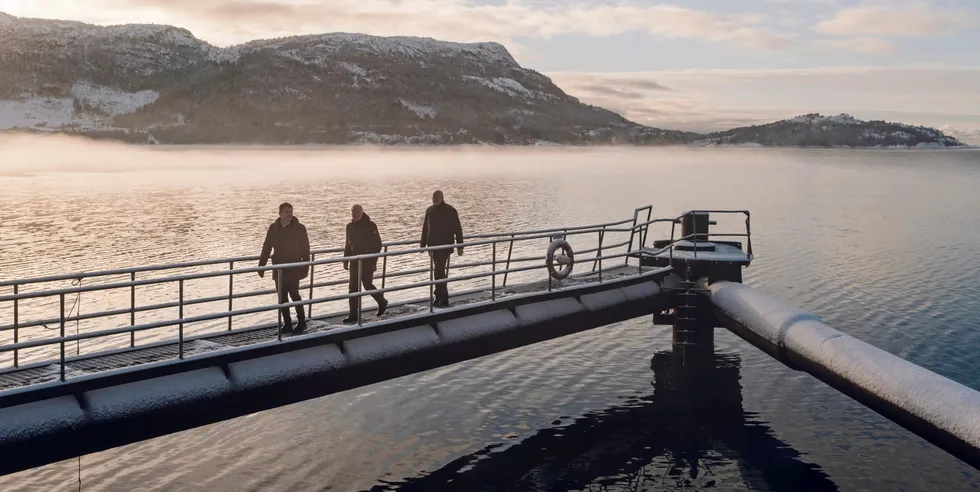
(898, 21)
(710, 100)
(966, 136)
(873, 46)
(232, 21)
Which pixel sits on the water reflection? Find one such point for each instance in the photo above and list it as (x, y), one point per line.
(690, 432)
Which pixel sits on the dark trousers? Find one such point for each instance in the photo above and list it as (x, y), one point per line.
(290, 288)
(440, 263)
(367, 281)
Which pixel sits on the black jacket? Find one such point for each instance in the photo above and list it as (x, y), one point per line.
(289, 244)
(363, 238)
(441, 226)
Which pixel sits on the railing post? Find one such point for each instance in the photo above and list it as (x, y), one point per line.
(510, 251)
(309, 313)
(231, 290)
(278, 273)
(748, 233)
(431, 279)
(602, 234)
(598, 253)
(384, 267)
(636, 215)
(360, 282)
(180, 327)
(646, 228)
(16, 323)
(493, 278)
(132, 309)
(62, 319)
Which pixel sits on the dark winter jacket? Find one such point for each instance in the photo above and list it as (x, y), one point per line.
(441, 226)
(289, 244)
(363, 238)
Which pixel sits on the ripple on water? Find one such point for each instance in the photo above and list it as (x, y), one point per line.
(600, 410)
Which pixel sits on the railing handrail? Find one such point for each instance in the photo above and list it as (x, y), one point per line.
(469, 242)
(239, 259)
(281, 266)
(500, 238)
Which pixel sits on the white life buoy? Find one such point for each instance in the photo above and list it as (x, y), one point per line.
(566, 259)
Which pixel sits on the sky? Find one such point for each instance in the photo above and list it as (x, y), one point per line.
(697, 65)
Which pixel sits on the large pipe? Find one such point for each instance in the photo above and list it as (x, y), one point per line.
(938, 409)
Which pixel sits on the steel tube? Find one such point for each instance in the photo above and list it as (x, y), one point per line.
(935, 408)
(231, 291)
(493, 279)
(510, 251)
(360, 278)
(384, 268)
(180, 329)
(312, 258)
(16, 322)
(62, 337)
(132, 309)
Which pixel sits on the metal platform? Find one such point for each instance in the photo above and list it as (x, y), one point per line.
(98, 362)
(62, 406)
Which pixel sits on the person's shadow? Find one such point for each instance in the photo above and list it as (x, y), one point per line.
(690, 433)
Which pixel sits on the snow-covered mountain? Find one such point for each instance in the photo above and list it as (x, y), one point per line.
(135, 80)
(160, 83)
(842, 130)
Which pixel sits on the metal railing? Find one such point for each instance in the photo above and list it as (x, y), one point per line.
(511, 265)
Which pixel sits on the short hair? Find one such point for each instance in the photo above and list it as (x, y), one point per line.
(357, 207)
(437, 193)
(285, 205)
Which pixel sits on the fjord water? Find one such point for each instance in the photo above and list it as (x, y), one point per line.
(880, 243)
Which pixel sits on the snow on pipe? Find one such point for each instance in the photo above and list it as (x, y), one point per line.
(939, 410)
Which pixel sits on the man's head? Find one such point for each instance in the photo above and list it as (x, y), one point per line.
(286, 212)
(437, 197)
(356, 213)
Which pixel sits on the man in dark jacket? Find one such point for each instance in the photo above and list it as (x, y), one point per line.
(441, 227)
(362, 239)
(288, 242)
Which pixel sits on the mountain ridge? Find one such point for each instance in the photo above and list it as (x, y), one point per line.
(161, 84)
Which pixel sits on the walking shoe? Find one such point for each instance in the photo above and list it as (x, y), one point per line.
(382, 307)
(350, 320)
(300, 328)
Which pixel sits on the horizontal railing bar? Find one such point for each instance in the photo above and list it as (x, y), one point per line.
(241, 312)
(608, 227)
(271, 325)
(256, 293)
(191, 264)
(281, 266)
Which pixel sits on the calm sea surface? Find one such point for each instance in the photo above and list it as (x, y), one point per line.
(881, 244)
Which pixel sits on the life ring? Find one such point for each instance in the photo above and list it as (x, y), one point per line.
(566, 258)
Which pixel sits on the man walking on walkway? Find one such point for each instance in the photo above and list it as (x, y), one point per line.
(362, 239)
(288, 242)
(441, 227)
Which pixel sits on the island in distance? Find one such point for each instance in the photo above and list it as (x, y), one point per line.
(160, 84)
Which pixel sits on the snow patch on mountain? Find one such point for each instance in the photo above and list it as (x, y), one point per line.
(813, 118)
(41, 113)
(89, 107)
(111, 101)
(508, 86)
(422, 111)
(354, 69)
